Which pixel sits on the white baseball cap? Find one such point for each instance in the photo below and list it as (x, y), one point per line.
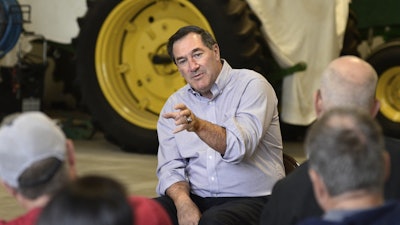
(28, 138)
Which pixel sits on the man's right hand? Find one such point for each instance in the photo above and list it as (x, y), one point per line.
(187, 212)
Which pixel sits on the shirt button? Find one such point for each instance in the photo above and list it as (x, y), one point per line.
(210, 156)
(212, 178)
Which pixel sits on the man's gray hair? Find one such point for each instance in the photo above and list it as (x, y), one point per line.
(345, 147)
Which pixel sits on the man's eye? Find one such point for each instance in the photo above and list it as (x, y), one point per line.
(197, 55)
(181, 61)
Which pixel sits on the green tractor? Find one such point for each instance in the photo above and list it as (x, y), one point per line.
(379, 26)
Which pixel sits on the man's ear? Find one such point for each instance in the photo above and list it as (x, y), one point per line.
(71, 158)
(320, 191)
(14, 193)
(318, 103)
(375, 108)
(216, 51)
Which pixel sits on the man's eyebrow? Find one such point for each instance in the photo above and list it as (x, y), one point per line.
(193, 51)
(197, 49)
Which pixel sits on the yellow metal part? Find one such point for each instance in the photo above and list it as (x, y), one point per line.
(132, 35)
(388, 93)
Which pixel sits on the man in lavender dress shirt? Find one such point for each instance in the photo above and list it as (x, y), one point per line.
(220, 148)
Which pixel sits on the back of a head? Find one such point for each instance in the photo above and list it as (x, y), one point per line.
(348, 81)
(32, 152)
(91, 199)
(345, 147)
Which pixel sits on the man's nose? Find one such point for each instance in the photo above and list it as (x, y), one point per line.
(193, 65)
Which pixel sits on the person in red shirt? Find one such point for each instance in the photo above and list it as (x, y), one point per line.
(37, 161)
(100, 200)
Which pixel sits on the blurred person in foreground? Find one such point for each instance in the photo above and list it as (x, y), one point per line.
(348, 166)
(37, 160)
(90, 199)
(348, 81)
(220, 146)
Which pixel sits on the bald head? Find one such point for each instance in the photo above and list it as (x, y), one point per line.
(348, 81)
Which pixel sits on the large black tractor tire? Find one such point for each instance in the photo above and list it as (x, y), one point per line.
(352, 36)
(386, 61)
(122, 64)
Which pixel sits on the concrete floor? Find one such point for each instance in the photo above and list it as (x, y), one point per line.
(136, 171)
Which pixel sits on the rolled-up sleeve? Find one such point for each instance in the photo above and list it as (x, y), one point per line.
(248, 124)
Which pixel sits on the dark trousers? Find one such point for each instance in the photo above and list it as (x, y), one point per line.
(221, 210)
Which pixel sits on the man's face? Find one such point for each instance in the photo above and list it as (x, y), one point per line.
(198, 64)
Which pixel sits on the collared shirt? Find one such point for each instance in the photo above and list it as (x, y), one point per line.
(389, 213)
(245, 104)
(339, 215)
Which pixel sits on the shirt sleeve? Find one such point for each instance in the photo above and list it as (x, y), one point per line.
(252, 119)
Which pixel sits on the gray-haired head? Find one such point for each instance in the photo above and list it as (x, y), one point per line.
(345, 147)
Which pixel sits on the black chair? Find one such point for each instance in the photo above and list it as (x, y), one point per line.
(289, 163)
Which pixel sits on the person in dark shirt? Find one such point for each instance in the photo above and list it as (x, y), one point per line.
(348, 166)
(348, 81)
